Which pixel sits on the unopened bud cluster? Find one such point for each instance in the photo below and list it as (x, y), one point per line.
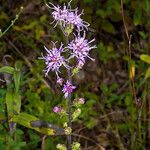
(76, 146)
(78, 102)
(61, 147)
(76, 114)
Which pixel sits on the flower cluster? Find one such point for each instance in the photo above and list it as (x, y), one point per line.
(80, 49)
(77, 49)
(65, 16)
(68, 88)
(54, 60)
(72, 57)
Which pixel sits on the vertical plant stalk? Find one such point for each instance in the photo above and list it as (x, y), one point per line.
(132, 79)
(69, 137)
(129, 37)
(68, 19)
(132, 83)
(69, 104)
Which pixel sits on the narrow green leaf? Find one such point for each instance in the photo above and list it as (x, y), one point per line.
(17, 75)
(17, 80)
(147, 75)
(18, 65)
(137, 16)
(2, 116)
(33, 122)
(16, 103)
(9, 103)
(146, 5)
(145, 58)
(7, 69)
(13, 103)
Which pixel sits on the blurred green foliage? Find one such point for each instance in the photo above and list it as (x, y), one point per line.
(107, 86)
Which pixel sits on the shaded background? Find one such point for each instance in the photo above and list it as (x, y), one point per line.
(116, 114)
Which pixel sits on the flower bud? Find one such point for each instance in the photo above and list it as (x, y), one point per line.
(81, 100)
(65, 125)
(60, 81)
(80, 64)
(76, 113)
(61, 147)
(68, 130)
(68, 88)
(75, 71)
(78, 102)
(56, 109)
(69, 29)
(21, 7)
(76, 146)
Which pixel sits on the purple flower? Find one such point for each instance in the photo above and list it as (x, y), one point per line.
(54, 60)
(80, 49)
(81, 62)
(68, 88)
(59, 14)
(74, 19)
(60, 81)
(56, 109)
(81, 100)
(65, 16)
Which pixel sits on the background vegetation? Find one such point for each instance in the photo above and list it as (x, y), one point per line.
(116, 87)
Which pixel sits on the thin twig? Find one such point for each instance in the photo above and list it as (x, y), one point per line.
(124, 22)
(129, 37)
(131, 79)
(43, 142)
(12, 23)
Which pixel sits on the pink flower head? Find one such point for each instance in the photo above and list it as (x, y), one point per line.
(81, 100)
(80, 48)
(81, 62)
(56, 109)
(59, 13)
(54, 60)
(66, 16)
(74, 19)
(68, 88)
(60, 81)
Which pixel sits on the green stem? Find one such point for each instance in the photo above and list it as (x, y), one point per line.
(69, 137)
(12, 23)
